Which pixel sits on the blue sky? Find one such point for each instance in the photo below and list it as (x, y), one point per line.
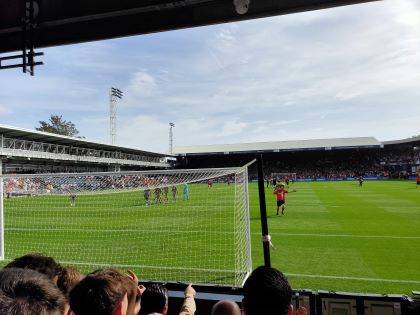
(344, 72)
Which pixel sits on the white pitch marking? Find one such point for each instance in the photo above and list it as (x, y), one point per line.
(141, 266)
(345, 235)
(228, 271)
(352, 278)
(214, 232)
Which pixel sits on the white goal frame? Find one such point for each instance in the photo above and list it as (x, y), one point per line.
(237, 181)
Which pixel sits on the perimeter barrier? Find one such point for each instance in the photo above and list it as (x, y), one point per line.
(316, 302)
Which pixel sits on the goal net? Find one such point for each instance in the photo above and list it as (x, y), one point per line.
(170, 225)
(281, 177)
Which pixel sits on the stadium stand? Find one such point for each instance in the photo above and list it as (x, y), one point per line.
(395, 158)
(326, 159)
(28, 151)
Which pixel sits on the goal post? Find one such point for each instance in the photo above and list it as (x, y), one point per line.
(167, 225)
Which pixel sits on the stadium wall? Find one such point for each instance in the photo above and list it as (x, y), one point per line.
(316, 302)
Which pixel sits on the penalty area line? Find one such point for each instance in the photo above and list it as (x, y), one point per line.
(163, 231)
(144, 266)
(352, 278)
(345, 235)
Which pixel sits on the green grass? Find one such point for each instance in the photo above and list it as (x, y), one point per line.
(333, 236)
(339, 236)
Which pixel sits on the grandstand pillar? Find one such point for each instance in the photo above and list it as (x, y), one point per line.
(114, 168)
(263, 212)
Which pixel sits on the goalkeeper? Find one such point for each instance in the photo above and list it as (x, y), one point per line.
(280, 191)
(186, 192)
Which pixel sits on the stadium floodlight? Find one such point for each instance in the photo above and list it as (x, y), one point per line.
(171, 137)
(113, 95)
(116, 93)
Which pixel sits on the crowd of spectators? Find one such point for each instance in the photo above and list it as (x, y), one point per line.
(352, 164)
(315, 164)
(400, 157)
(38, 285)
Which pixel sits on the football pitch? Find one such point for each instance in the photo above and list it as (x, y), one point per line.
(333, 236)
(339, 236)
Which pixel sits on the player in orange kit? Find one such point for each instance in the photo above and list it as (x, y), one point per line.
(280, 193)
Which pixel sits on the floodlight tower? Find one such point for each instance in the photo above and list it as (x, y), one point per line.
(114, 94)
(171, 137)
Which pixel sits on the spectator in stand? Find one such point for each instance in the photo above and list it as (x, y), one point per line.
(67, 280)
(26, 291)
(101, 292)
(226, 307)
(43, 264)
(268, 292)
(134, 290)
(154, 301)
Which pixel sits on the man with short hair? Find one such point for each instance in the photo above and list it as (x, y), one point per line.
(267, 292)
(26, 291)
(186, 192)
(174, 191)
(146, 194)
(225, 307)
(158, 192)
(154, 301)
(165, 193)
(68, 278)
(72, 198)
(43, 264)
(101, 293)
(280, 191)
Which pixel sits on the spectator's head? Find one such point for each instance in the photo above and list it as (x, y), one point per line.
(67, 280)
(268, 292)
(100, 292)
(28, 292)
(154, 300)
(226, 307)
(131, 289)
(43, 264)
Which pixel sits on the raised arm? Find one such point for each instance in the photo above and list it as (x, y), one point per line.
(188, 308)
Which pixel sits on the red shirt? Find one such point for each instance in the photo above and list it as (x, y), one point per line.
(418, 177)
(280, 194)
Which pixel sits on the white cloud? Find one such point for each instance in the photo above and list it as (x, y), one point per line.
(234, 127)
(141, 84)
(5, 110)
(340, 72)
(145, 132)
